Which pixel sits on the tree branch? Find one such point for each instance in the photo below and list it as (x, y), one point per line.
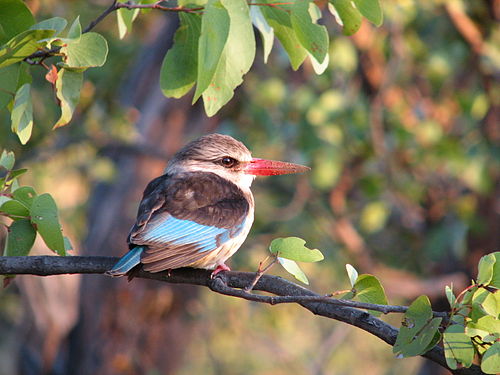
(233, 284)
(43, 54)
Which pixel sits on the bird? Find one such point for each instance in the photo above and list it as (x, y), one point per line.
(200, 211)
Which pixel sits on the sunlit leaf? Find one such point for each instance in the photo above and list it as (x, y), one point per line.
(294, 269)
(266, 31)
(179, 68)
(125, 19)
(55, 23)
(313, 37)
(458, 347)
(68, 86)
(371, 10)
(22, 45)
(236, 58)
(90, 50)
(22, 113)
(489, 270)
(279, 20)
(369, 289)
(490, 363)
(213, 37)
(352, 273)
(347, 15)
(7, 159)
(20, 238)
(483, 327)
(293, 248)
(418, 329)
(15, 17)
(75, 30)
(44, 216)
(486, 301)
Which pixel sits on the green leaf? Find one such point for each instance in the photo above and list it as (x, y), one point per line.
(495, 277)
(236, 58)
(486, 265)
(75, 30)
(418, 329)
(25, 196)
(8, 83)
(90, 50)
(313, 37)
(56, 23)
(14, 208)
(7, 159)
(44, 216)
(68, 86)
(368, 289)
(293, 248)
(436, 339)
(371, 10)
(266, 31)
(16, 173)
(125, 18)
(450, 296)
(23, 45)
(458, 347)
(22, 114)
(279, 20)
(294, 269)
(486, 301)
(15, 17)
(213, 37)
(67, 244)
(352, 273)
(179, 68)
(490, 363)
(347, 15)
(487, 325)
(20, 238)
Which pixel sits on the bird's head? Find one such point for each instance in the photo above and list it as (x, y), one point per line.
(228, 158)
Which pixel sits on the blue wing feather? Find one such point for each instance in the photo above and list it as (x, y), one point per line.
(178, 232)
(127, 262)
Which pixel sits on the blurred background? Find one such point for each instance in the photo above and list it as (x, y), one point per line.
(401, 133)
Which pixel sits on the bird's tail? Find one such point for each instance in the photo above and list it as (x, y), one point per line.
(127, 262)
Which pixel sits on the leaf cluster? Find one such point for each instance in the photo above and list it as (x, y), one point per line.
(29, 213)
(23, 38)
(473, 330)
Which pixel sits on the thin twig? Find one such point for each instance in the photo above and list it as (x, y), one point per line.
(261, 271)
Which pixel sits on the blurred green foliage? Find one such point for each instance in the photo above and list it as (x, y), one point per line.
(401, 134)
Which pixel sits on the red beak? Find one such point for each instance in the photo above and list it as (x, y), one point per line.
(263, 167)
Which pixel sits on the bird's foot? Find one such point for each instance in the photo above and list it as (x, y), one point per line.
(220, 268)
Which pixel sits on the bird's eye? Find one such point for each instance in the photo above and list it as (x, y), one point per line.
(228, 162)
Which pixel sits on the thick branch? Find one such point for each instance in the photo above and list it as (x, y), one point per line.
(232, 284)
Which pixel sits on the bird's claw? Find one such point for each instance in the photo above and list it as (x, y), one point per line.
(220, 268)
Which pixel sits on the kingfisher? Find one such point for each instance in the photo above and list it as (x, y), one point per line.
(200, 211)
